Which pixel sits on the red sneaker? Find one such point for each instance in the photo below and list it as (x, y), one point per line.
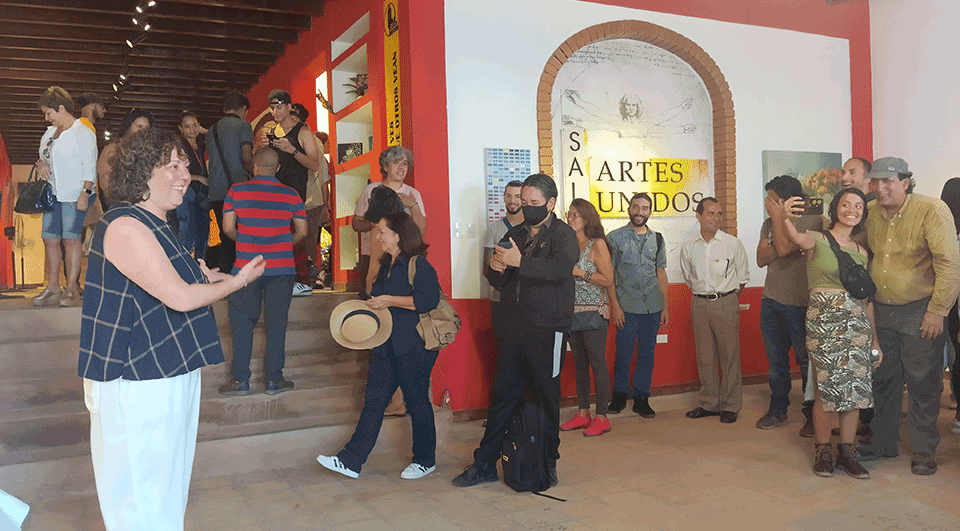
(578, 422)
(597, 427)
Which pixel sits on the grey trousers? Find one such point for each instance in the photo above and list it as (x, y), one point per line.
(911, 359)
(716, 333)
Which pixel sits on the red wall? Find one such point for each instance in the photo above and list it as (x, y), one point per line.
(6, 175)
(466, 368)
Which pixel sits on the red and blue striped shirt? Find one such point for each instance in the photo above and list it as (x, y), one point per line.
(265, 208)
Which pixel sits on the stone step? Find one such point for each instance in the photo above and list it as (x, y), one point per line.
(57, 478)
(63, 429)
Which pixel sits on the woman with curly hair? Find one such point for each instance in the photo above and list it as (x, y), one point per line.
(840, 331)
(146, 329)
(588, 339)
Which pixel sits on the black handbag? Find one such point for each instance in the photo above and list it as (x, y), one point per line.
(853, 276)
(583, 321)
(35, 196)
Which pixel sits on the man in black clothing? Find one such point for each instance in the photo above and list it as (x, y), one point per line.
(532, 266)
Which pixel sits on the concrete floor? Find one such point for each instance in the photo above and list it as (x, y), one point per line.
(661, 474)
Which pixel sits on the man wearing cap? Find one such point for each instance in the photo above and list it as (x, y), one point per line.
(257, 215)
(298, 153)
(916, 267)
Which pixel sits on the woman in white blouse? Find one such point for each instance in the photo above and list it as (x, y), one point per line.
(68, 160)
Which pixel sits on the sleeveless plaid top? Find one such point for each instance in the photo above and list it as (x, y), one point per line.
(127, 333)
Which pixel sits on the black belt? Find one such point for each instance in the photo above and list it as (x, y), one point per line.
(715, 296)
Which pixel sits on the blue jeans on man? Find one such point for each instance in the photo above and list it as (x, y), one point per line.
(783, 326)
(639, 331)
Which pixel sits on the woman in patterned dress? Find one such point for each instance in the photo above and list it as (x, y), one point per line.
(594, 277)
(841, 334)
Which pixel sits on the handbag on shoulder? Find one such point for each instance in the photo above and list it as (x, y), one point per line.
(439, 326)
(854, 277)
(35, 196)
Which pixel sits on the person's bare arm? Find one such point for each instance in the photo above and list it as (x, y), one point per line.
(246, 153)
(133, 249)
(600, 255)
(804, 240)
(104, 170)
(310, 156)
(664, 287)
(360, 224)
(299, 229)
(230, 224)
(766, 253)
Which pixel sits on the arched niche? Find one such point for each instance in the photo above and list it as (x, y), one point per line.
(724, 124)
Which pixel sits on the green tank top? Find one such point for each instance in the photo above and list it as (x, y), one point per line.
(823, 271)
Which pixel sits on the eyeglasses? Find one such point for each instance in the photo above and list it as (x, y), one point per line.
(573, 215)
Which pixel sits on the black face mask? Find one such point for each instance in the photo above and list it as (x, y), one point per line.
(535, 214)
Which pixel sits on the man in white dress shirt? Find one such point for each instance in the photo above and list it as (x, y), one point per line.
(714, 265)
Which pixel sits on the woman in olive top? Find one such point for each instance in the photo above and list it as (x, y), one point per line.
(840, 331)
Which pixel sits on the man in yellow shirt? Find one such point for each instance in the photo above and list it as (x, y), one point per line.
(916, 267)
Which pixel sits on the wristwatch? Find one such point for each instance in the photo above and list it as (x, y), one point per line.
(874, 353)
(88, 191)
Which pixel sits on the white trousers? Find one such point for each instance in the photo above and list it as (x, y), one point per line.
(143, 435)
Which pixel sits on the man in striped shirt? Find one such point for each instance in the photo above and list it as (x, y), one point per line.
(257, 214)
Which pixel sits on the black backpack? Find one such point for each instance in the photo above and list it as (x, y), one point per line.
(524, 453)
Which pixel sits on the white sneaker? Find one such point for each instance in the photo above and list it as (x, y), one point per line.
(333, 463)
(416, 471)
(956, 426)
(301, 290)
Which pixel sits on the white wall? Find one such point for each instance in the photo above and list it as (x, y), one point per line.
(791, 91)
(916, 87)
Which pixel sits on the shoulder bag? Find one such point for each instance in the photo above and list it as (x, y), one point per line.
(35, 196)
(854, 277)
(439, 326)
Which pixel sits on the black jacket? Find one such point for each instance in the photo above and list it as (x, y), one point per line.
(541, 291)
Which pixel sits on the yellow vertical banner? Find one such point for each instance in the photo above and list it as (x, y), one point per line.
(391, 67)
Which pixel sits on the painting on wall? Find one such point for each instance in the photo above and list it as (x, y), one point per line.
(632, 117)
(818, 172)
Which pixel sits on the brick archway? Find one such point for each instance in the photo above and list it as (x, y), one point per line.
(724, 124)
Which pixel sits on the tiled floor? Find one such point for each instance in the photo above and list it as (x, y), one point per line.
(667, 473)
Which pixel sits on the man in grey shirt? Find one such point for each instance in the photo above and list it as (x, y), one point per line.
(230, 143)
(639, 305)
(495, 232)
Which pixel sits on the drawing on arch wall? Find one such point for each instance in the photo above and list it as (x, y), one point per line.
(631, 117)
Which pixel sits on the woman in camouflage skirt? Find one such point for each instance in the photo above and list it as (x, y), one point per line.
(841, 335)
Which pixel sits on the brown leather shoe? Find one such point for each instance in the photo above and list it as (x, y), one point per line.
(48, 297)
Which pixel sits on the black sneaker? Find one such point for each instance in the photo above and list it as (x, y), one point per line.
(235, 388)
(475, 474)
(618, 402)
(641, 406)
(276, 387)
(770, 420)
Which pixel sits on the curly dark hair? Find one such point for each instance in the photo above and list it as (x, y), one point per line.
(411, 241)
(137, 156)
(835, 205)
(132, 117)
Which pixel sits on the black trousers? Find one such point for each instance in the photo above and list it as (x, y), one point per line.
(527, 358)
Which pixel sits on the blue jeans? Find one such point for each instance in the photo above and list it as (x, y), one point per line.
(273, 294)
(411, 372)
(783, 326)
(640, 331)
